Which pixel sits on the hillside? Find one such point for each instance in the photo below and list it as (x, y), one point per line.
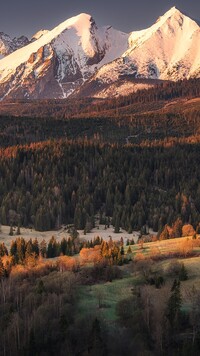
(170, 111)
(94, 295)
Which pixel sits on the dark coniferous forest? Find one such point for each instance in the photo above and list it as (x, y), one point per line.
(136, 168)
(48, 184)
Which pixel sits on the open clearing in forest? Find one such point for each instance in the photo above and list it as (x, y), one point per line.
(101, 299)
(164, 247)
(100, 231)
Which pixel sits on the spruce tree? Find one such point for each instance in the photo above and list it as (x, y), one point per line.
(117, 226)
(18, 230)
(174, 305)
(43, 248)
(183, 276)
(129, 250)
(96, 345)
(11, 231)
(164, 234)
(177, 228)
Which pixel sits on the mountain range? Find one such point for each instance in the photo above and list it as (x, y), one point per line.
(79, 58)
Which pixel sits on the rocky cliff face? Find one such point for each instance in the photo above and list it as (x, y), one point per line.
(59, 61)
(8, 45)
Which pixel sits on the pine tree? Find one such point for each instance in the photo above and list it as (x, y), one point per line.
(164, 234)
(128, 195)
(174, 305)
(97, 345)
(29, 248)
(73, 233)
(11, 231)
(122, 250)
(63, 246)
(18, 230)
(40, 287)
(117, 226)
(129, 250)
(43, 248)
(52, 250)
(183, 276)
(13, 251)
(36, 246)
(130, 230)
(177, 228)
(109, 206)
(104, 249)
(3, 216)
(21, 249)
(3, 250)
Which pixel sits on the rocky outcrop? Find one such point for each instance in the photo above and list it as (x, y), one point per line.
(8, 45)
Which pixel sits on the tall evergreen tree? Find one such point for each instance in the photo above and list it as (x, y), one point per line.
(174, 305)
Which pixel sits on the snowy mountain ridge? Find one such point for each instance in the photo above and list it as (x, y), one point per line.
(79, 57)
(8, 45)
(168, 50)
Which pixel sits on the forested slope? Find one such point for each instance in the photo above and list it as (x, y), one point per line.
(50, 183)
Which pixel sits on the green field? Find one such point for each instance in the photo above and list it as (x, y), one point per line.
(100, 300)
(107, 295)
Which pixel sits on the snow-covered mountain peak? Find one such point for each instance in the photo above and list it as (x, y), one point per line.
(58, 61)
(171, 23)
(69, 54)
(168, 50)
(81, 23)
(171, 12)
(63, 36)
(175, 17)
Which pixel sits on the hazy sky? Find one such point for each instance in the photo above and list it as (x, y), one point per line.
(28, 16)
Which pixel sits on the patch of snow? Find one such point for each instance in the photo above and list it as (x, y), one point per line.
(39, 34)
(115, 90)
(62, 233)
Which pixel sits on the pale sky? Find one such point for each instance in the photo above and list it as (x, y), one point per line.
(26, 17)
